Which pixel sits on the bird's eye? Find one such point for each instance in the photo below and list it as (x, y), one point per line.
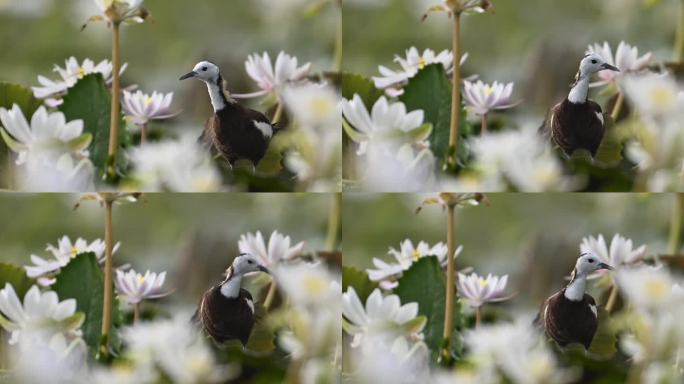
(593, 61)
(205, 68)
(591, 260)
(250, 261)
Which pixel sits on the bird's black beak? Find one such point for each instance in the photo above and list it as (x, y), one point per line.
(263, 269)
(188, 75)
(605, 266)
(608, 66)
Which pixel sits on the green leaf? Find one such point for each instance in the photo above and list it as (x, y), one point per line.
(83, 280)
(430, 91)
(605, 339)
(364, 87)
(424, 284)
(11, 143)
(358, 279)
(16, 277)
(90, 101)
(16, 94)
(353, 133)
(421, 133)
(610, 150)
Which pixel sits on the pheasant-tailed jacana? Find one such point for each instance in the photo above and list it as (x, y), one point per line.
(577, 122)
(570, 315)
(226, 311)
(235, 131)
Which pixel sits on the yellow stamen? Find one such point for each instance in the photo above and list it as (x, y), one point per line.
(488, 90)
(322, 106)
(422, 63)
(141, 279)
(314, 285)
(147, 101)
(416, 255)
(483, 282)
(74, 251)
(656, 289)
(81, 72)
(662, 96)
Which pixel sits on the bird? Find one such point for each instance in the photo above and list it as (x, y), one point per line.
(570, 315)
(235, 131)
(226, 310)
(577, 122)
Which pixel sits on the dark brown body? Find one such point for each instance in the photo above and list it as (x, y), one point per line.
(575, 126)
(567, 321)
(226, 319)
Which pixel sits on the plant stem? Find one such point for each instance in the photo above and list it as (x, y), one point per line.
(108, 291)
(136, 313)
(679, 37)
(618, 106)
(277, 114)
(337, 57)
(455, 90)
(478, 317)
(116, 107)
(143, 134)
(612, 298)
(483, 130)
(334, 221)
(450, 283)
(270, 295)
(676, 225)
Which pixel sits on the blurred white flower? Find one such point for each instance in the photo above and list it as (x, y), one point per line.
(314, 106)
(382, 359)
(65, 175)
(141, 107)
(278, 249)
(381, 315)
(410, 168)
(42, 357)
(649, 288)
(53, 90)
(460, 6)
(620, 254)
(479, 291)
(41, 311)
(174, 165)
(654, 95)
(47, 139)
(177, 348)
(122, 10)
(626, 59)
(482, 98)
(62, 254)
(520, 158)
(270, 78)
(308, 284)
(134, 287)
(393, 81)
(405, 256)
(516, 350)
(387, 125)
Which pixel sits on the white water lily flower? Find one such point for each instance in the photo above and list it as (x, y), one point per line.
(63, 253)
(482, 98)
(174, 165)
(392, 81)
(384, 126)
(134, 287)
(141, 107)
(405, 256)
(649, 288)
(122, 10)
(41, 311)
(270, 78)
(410, 168)
(460, 6)
(381, 315)
(479, 291)
(307, 284)
(42, 357)
(384, 359)
(655, 95)
(621, 252)
(47, 138)
(314, 106)
(279, 247)
(65, 175)
(52, 90)
(626, 59)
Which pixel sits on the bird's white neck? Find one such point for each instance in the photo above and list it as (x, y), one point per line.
(231, 288)
(218, 100)
(579, 91)
(575, 290)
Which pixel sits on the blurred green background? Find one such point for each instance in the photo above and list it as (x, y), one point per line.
(535, 43)
(192, 236)
(36, 34)
(532, 237)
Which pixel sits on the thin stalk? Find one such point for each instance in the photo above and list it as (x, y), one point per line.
(270, 295)
(450, 275)
(337, 56)
(674, 241)
(483, 130)
(678, 55)
(478, 317)
(334, 221)
(618, 106)
(136, 313)
(143, 134)
(108, 282)
(612, 298)
(116, 107)
(277, 114)
(455, 89)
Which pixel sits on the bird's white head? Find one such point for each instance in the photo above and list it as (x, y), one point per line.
(205, 71)
(246, 263)
(588, 263)
(592, 63)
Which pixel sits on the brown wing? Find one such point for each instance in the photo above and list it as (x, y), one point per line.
(226, 319)
(546, 128)
(554, 324)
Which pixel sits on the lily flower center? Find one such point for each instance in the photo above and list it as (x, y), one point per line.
(141, 279)
(74, 251)
(661, 96)
(488, 90)
(483, 282)
(656, 289)
(422, 63)
(416, 255)
(147, 101)
(314, 285)
(81, 72)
